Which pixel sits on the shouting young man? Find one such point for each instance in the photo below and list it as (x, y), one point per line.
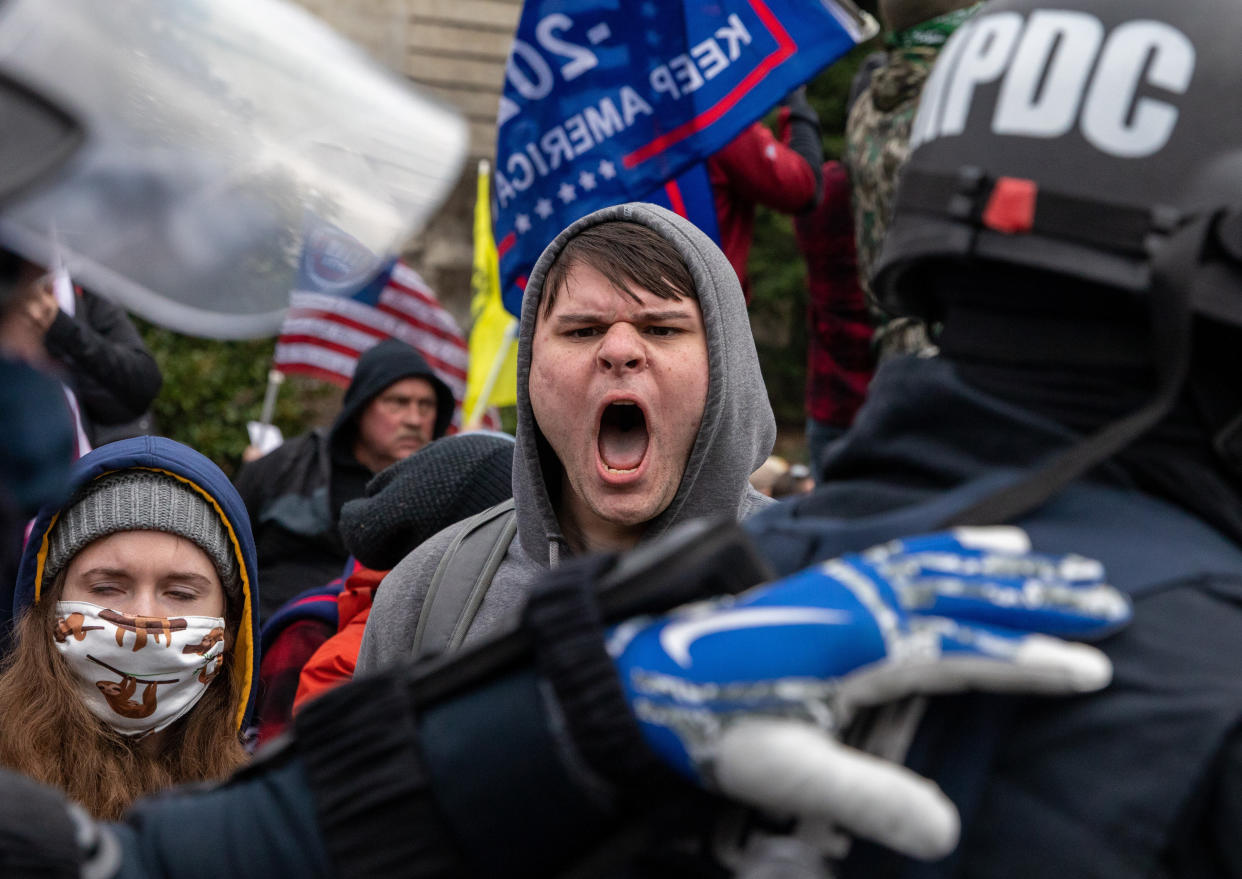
(640, 405)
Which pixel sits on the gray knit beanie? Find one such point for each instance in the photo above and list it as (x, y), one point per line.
(141, 500)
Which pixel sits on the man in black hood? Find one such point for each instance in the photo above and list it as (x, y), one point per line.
(394, 406)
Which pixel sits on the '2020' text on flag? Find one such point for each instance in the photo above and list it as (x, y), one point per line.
(606, 101)
(335, 314)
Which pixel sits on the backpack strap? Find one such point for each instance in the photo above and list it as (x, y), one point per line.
(462, 579)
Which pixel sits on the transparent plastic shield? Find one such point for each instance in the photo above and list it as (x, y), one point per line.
(219, 134)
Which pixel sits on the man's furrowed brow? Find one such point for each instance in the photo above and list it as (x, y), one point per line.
(666, 315)
(584, 317)
(580, 317)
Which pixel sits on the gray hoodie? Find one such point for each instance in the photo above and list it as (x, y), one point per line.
(734, 438)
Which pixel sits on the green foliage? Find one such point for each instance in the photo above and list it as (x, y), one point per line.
(212, 388)
(508, 419)
(778, 314)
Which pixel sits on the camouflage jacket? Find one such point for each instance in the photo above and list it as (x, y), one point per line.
(877, 145)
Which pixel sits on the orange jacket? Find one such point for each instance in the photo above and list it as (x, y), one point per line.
(334, 662)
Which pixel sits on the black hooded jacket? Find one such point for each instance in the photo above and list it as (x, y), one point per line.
(104, 360)
(294, 494)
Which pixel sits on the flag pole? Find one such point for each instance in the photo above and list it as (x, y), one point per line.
(498, 363)
(275, 378)
(264, 436)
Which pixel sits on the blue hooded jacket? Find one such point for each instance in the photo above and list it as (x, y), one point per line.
(182, 462)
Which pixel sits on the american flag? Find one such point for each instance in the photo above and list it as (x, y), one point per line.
(324, 333)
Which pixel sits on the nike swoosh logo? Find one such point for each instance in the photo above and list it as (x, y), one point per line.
(677, 637)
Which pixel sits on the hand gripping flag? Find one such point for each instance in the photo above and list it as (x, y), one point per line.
(492, 379)
(335, 314)
(607, 101)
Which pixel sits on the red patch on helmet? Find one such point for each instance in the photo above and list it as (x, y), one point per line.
(1011, 207)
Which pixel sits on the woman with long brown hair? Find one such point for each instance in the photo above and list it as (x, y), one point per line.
(132, 664)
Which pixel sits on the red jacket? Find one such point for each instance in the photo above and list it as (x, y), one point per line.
(755, 169)
(840, 360)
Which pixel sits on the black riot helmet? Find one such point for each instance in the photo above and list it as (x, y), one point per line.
(1093, 141)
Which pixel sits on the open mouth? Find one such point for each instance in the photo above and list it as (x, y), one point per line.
(622, 436)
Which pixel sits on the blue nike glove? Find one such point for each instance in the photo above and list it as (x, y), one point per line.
(748, 694)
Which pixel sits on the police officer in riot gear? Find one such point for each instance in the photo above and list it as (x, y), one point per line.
(1071, 213)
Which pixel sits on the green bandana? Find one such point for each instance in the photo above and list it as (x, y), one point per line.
(934, 32)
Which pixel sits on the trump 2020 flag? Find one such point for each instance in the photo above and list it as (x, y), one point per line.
(607, 101)
(348, 299)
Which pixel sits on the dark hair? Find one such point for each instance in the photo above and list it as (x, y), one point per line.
(629, 255)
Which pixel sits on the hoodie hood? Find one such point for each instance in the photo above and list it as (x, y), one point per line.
(737, 430)
(379, 366)
(197, 471)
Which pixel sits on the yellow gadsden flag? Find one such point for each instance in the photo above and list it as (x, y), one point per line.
(492, 375)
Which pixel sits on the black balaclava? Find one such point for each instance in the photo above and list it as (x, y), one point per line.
(1080, 354)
